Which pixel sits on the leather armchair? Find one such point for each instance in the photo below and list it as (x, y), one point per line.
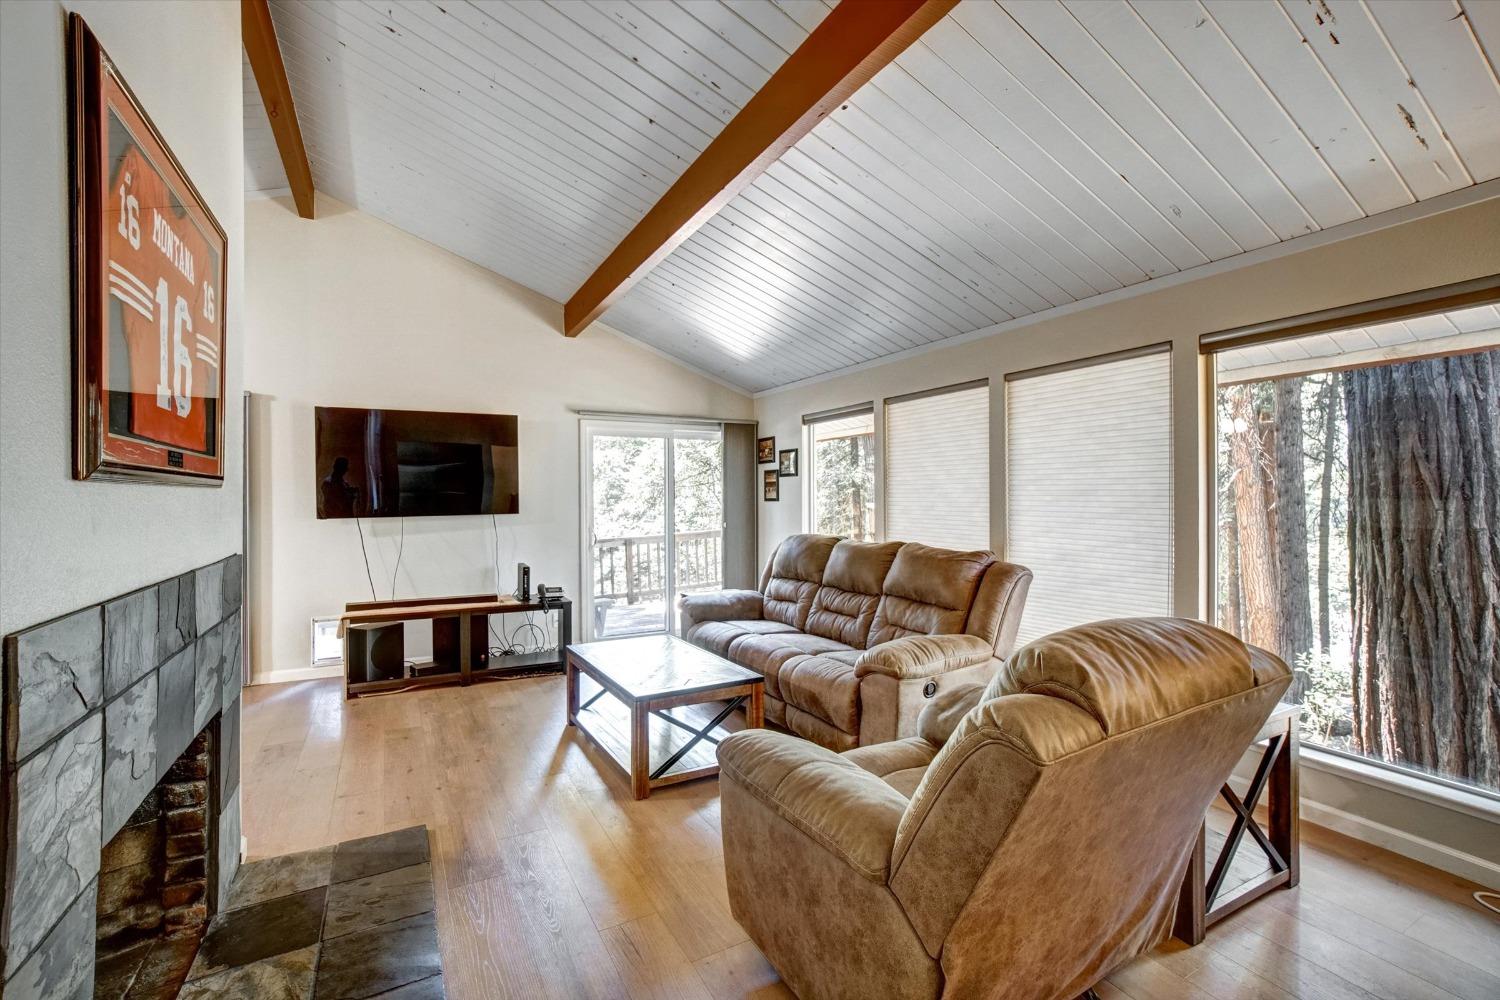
(1030, 839)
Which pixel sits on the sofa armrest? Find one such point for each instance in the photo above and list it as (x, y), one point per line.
(844, 808)
(719, 606)
(924, 656)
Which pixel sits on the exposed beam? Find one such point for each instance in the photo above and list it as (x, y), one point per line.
(852, 44)
(270, 76)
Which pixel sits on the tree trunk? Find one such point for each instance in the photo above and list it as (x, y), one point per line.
(1256, 558)
(1424, 551)
(1328, 396)
(1229, 613)
(1294, 602)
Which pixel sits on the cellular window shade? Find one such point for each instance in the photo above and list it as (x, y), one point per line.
(1089, 491)
(937, 468)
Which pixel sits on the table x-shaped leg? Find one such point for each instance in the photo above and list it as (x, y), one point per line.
(1244, 820)
(698, 734)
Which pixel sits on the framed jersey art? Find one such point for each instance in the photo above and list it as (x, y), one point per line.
(148, 290)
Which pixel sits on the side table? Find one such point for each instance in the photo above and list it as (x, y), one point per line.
(1204, 900)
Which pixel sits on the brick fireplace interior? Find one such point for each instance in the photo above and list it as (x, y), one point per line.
(157, 884)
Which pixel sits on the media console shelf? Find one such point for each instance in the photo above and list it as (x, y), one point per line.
(456, 657)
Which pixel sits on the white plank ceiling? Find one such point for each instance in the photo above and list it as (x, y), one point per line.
(1023, 155)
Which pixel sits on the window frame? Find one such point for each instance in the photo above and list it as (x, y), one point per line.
(1407, 305)
(808, 471)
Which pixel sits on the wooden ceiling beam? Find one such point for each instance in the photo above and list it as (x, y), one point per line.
(264, 54)
(853, 43)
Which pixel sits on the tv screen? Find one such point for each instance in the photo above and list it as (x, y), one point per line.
(415, 463)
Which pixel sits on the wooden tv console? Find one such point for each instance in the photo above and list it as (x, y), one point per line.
(468, 612)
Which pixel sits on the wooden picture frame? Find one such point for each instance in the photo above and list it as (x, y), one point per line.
(765, 450)
(149, 276)
(786, 466)
(770, 485)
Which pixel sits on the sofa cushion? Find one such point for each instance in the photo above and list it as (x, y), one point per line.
(795, 573)
(813, 727)
(716, 636)
(822, 686)
(928, 592)
(765, 654)
(844, 606)
(901, 763)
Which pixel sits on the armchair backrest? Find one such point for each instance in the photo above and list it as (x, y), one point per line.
(1046, 842)
(866, 593)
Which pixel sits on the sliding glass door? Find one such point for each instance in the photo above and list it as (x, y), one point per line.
(653, 497)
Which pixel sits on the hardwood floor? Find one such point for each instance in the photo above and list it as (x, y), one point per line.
(553, 882)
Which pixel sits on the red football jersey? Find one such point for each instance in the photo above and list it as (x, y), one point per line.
(162, 273)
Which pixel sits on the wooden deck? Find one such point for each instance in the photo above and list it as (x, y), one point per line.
(553, 882)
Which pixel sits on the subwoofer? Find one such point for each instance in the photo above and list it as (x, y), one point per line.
(376, 652)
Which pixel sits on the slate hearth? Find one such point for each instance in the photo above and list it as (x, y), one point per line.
(348, 922)
(96, 706)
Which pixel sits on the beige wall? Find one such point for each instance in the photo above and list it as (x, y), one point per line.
(347, 311)
(1436, 249)
(66, 544)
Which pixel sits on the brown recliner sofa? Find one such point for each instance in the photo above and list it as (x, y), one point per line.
(1032, 837)
(854, 638)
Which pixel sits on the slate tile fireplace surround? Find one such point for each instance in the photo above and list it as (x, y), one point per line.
(97, 706)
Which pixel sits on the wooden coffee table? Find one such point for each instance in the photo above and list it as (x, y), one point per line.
(640, 717)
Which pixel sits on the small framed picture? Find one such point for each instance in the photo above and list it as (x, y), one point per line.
(788, 465)
(771, 484)
(765, 450)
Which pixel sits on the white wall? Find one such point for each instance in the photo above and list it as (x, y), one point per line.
(347, 311)
(66, 544)
(1336, 269)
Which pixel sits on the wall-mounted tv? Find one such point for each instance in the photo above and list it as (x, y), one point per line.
(415, 463)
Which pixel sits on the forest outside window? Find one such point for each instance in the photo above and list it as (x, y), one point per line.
(1358, 532)
(841, 449)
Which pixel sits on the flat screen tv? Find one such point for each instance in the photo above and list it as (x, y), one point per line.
(415, 463)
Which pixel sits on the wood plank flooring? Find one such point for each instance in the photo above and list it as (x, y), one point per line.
(553, 882)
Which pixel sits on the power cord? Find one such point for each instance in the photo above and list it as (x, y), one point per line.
(495, 550)
(399, 549)
(1488, 900)
(366, 553)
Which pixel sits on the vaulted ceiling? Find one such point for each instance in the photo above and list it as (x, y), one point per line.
(1020, 156)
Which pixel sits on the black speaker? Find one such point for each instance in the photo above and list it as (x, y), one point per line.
(445, 642)
(376, 652)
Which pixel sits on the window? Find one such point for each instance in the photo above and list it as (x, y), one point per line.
(841, 447)
(1089, 490)
(653, 523)
(1358, 532)
(937, 467)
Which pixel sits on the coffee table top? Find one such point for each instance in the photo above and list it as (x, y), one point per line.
(654, 666)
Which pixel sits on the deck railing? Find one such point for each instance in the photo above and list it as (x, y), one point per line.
(634, 569)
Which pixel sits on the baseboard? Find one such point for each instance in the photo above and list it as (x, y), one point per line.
(298, 674)
(1403, 842)
(1406, 844)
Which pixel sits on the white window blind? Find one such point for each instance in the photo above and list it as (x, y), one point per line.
(1089, 491)
(937, 468)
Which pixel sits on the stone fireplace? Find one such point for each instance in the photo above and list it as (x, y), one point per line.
(121, 804)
